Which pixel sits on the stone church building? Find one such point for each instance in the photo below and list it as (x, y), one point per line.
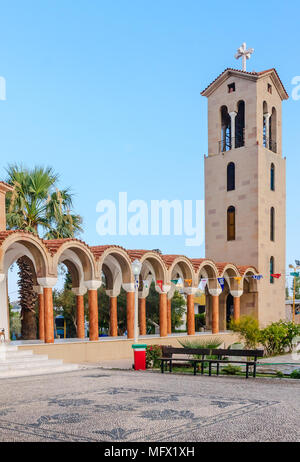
(244, 229)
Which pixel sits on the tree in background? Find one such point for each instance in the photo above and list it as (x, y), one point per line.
(297, 287)
(36, 205)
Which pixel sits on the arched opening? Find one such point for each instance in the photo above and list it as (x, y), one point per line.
(273, 131)
(225, 130)
(231, 223)
(265, 121)
(229, 309)
(231, 176)
(272, 224)
(240, 125)
(272, 177)
(272, 269)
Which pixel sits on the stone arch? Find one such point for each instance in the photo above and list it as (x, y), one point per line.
(15, 244)
(249, 298)
(179, 264)
(229, 272)
(115, 264)
(75, 252)
(152, 263)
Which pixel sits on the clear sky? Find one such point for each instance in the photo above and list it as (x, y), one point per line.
(108, 93)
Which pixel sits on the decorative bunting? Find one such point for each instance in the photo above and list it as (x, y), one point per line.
(160, 284)
(202, 284)
(146, 284)
(296, 275)
(174, 281)
(189, 281)
(221, 281)
(297, 262)
(238, 279)
(258, 277)
(276, 275)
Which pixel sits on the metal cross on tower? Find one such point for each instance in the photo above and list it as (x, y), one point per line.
(245, 54)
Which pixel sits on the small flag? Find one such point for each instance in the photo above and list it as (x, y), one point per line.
(174, 281)
(202, 284)
(160, 284)
(276, 275)
(296, 275)
(189, 281)
(221, 282)
(258, 277)
(238, 279)
(146, 284)
(297, 262)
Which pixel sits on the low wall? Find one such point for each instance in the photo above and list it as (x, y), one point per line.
(111, 349)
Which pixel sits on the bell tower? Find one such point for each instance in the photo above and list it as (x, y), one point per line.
(245, 182)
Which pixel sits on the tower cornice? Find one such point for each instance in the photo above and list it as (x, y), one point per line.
(253, 76)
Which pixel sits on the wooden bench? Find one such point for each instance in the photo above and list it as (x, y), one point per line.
(203, 353)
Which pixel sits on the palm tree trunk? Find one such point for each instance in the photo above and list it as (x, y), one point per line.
(27, 298)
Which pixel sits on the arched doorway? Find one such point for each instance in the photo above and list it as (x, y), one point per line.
(229, 309)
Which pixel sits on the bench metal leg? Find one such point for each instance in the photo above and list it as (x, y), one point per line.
(170, 366)
(247, 371)
(162, 366)
(195, 368)
(202, 368)
(209, 369)
(254, 370)
(218, 368)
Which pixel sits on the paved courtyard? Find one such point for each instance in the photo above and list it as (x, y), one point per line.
(95, 404)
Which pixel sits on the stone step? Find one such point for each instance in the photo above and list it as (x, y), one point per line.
(7, 347)
(50, 363)
(16, 354)
(24, 359)
(38, 371)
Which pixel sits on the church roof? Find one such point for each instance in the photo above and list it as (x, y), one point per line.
(249, 75)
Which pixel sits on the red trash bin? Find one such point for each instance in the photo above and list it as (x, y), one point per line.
(139, 356)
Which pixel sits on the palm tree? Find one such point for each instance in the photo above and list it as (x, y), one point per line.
(36, 205)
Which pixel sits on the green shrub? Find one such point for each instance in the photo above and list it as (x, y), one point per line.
(231, 370)
(279, 374)
(210, 343)
(247, 329)
(153, 352)
(295, 374)
(275, 338)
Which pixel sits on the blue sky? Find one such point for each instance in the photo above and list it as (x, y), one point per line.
(108, 93)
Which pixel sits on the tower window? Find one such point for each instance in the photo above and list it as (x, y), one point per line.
(271, 270)
(231, 177)
(273, 131)
(272, 177)
(269, 88)
(272, 223)
(231, 87)
(240, 125)
(231, 223)
(225, 144)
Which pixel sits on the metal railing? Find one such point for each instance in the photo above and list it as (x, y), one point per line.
(229, 143)
(270, 144)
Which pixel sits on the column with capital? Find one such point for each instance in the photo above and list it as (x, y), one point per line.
(215, 292)
(163, 290)
(92, 287)
(80, 292)
(40, 292)
(48, 283)
(232, 117)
